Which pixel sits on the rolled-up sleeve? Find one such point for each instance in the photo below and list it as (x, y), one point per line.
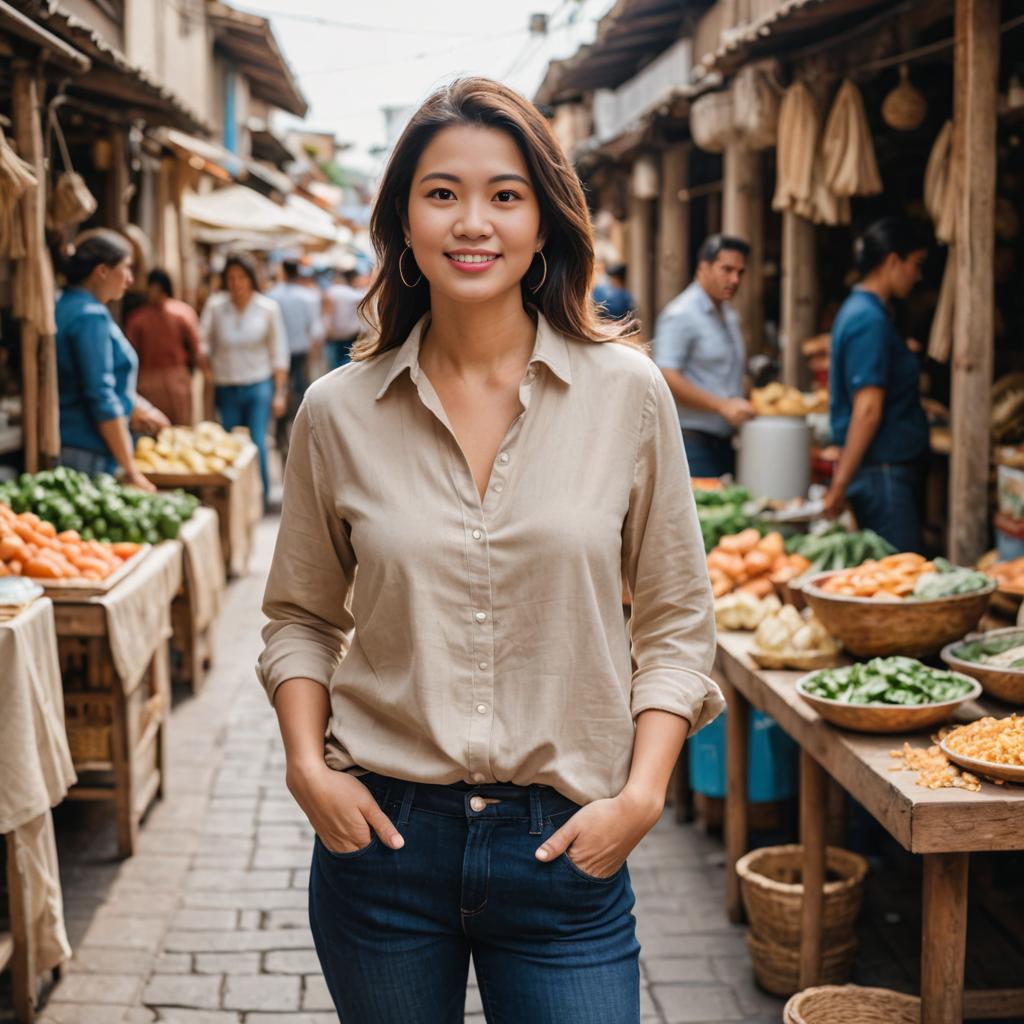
(93, 346)
(672, 626)
(307, 595)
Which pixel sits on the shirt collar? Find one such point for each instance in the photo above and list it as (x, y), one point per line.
(549, 348)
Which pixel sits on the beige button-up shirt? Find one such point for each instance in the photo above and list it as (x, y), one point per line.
(246, 347)
(476, 641)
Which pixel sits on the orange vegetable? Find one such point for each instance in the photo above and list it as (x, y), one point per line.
(11, 546)
(731, 564)
(15, 566)
(125, 549)
(761, 587)
(772, 544)
(69, 536)
(741, 543)
(757, 562)
(42, 568)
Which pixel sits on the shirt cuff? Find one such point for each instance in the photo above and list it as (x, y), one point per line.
(300, 662)
(679, 691)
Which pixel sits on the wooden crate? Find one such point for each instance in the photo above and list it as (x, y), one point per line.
(134, 769)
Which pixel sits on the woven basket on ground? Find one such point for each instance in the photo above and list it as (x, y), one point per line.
(851, 1004)
(88, 721)
(777, 968)
(773, 893)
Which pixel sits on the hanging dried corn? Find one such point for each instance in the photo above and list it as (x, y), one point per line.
(16, 178)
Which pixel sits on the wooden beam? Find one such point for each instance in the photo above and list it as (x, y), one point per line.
(743, 216)
(976, 70)
(799, 295)
(673, 271)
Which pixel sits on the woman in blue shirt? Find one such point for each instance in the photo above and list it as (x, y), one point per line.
(96, 366)
(875, 406)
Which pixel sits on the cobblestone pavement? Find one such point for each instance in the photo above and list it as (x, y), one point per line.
(207, 923)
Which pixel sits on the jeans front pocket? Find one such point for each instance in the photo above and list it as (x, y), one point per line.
(577, 870)
(352, 854)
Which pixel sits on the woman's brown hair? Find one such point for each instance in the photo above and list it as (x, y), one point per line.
(564, 297)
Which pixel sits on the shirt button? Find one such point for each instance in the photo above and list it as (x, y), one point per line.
(480, 616)
(477, 535)
(483, 666)
(481, 709)
(477, 803)
(503, 458)
(499, 488)
(479, 777)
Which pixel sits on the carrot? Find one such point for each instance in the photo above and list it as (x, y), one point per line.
(772, 544)
(15, 566)
(47, 529)
(69, 536)
(761, 587)
(125, 549)
(740, 543)
(42, 568)
(757, 562)
(10, 546)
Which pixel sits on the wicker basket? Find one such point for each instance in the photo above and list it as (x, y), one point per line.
(87, 717)
(773, 893)
(711, 121)
(851, 1004)
(777, 968)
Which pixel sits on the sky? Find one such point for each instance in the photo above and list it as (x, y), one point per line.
(353, 58)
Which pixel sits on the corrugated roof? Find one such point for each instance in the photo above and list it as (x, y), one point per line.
(112, 75)
(249, 40)
(632, 33)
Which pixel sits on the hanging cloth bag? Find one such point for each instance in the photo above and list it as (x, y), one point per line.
(71, 202)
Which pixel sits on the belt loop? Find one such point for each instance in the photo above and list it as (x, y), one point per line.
(403, 814)
(536, 812)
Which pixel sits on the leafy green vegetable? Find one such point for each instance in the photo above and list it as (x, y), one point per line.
(948, 580)
(985, 650)
(99, 506)
(721, 513)
(896, 681)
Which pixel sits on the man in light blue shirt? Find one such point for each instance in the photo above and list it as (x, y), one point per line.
(699, 348)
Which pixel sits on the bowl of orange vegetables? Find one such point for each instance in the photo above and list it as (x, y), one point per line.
(750, 563)
(880, 608)
(32, 547)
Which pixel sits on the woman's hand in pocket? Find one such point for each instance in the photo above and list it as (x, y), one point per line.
(342, 811)
(599, 837)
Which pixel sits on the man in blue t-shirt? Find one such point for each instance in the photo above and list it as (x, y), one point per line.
(875, 406)
(614, 302)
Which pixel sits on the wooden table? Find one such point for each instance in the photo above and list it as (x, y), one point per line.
(125, 755)
(945, 826)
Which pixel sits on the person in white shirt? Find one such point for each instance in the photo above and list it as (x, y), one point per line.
(244, 334)
(344, 323)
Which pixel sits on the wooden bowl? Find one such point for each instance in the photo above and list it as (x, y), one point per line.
(1005, 772)
(870, 628)
(884, 718)
(1003, 683)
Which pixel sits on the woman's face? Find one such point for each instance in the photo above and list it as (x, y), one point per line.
(473, 219)
(238, 284)
(113, 281)
(905, 273)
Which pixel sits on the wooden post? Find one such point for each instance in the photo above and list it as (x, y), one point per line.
(943, 937)
(976, 70)
(23, 960)
(799, 295)
(641, 280)
(737, 737)
(743, 216)
(673, 273)
(28, 134)
(812, 838)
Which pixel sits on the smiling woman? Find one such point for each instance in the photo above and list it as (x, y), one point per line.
(461, 504)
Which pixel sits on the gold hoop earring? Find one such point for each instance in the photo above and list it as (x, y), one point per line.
(536, 288)
(401, 273)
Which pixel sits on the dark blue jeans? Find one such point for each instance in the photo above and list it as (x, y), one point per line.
(708, 455)
(395, 929)
(887, 499)
(248, 405)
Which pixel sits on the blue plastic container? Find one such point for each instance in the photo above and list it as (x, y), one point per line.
(772, 768)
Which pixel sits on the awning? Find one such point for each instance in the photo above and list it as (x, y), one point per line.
(21, 26)
(789, 24)
(237, 214)
(220, 162)
(628, 36)
(128, 91)
(250, 42)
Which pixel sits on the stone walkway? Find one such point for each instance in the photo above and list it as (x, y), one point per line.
(207, 923)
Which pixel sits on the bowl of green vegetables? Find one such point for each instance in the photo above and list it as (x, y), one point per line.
(887, 695)
(995, 659)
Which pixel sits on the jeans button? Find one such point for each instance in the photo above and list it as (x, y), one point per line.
(477, 803)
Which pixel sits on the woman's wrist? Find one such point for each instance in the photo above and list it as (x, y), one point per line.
(645, 800)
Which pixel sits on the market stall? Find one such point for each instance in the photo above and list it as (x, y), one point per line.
(114, 661)
(36, 765)
(943, 825)
(222, 470)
